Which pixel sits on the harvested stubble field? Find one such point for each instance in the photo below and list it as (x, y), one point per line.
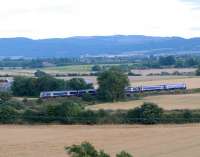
(168, 102)
(168, 70)
(192, 82)
(141, 141)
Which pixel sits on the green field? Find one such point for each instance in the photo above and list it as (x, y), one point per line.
(70, 68)
(74, 68)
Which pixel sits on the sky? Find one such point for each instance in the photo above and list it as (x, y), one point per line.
(39, 19)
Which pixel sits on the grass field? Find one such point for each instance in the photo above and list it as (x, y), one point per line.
(70, 68)
(141, 141)
(169, 102)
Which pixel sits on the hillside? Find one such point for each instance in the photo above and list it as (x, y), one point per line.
(97, 45)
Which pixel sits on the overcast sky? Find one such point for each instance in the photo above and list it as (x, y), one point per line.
(64, 18)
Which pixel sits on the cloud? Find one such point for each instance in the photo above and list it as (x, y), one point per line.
(193, 4)
(61, 18)
(195, 28)
(191, 1)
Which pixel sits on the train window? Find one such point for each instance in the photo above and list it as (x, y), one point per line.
(73, 92)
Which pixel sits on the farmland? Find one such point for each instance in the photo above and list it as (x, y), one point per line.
(192, 82)
(145, 72)
(141, 141)
(168, 102)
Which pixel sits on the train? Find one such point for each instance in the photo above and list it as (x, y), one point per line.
(128, 90)
(176, 86)
(5, 85)
(68, 93)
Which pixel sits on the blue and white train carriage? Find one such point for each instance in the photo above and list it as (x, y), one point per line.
(68, 93)
(176, 86)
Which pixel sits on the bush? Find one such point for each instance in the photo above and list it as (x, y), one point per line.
(148, 113)
(5, 96)
(124, 154)
(88, 97)
(66, 112)
(198, 71)
(96, 68)
(85, 149)
(78, 84)
(8, 115)
(40, 73)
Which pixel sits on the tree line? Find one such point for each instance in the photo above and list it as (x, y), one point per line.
(136, 62)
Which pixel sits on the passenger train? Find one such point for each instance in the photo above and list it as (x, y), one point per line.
(128, 90)
(49, 94)
(156, 88)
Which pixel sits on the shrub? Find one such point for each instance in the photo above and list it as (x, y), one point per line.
(40, 73)
(96, 68)
(124, 154)
(8, 115)
(85, 149)
(198, 71)
(5, 96)
(148, 113)
(88, 97)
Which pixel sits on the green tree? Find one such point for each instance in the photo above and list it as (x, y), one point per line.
(124, 154)
(96, 68)
(27, 86)
(7, 114)
(198, 71)
(78, 84)
(148, 113)
(191, 62)
(5, 96)
(24, 86)
(85, 149)
(48, 83)
(66, 110)
(167, 61)
(40, 73)
(111, 84)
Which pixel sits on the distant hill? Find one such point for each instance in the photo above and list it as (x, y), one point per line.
(97, 45)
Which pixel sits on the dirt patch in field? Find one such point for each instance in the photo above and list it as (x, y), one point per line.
(168, 102)
(141, 141)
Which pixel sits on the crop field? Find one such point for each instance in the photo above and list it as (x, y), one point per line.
(70, 68)
(168, 70)
(168, 102)
(18, 72)
(192, 82)
(141, 141)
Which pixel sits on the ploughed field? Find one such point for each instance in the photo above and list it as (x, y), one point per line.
(141, 141)
(168, 102)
